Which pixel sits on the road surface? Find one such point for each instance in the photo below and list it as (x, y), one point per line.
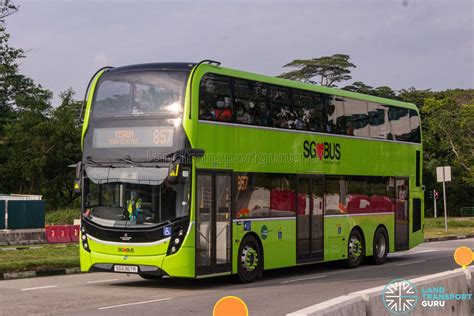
(279, 292)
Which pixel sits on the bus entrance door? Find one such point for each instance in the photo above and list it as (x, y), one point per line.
(310, 219)
(402, 214)
(213, 223)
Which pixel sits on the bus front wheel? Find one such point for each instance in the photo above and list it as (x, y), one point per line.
(250, 260)
(355, 250)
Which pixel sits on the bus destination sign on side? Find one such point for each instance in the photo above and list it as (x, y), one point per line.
(116, 137)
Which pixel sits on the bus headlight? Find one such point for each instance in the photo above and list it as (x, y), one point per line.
(177, 237)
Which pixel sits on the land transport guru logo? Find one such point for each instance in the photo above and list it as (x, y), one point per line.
(402, 296)
(325, 150)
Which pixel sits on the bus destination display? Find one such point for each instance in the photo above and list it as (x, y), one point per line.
(117, 137)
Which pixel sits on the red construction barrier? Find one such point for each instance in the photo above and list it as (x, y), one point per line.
(58, 234)
(74, 233)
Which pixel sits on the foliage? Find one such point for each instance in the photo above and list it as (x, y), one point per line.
(329, 69)
(37, 141)
(62, 216)
(383, 91)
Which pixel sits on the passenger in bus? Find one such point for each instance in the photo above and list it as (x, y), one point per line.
(205, 112)
(222, 112)
(261, 115)
(242, 116)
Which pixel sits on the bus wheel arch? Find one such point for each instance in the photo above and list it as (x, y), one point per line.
(380, 245)
(355, 248)
(250, 248)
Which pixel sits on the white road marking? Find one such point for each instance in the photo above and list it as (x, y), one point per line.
(411, 253)
(100, 281)
(39, 288)
(307, 278)
(137, 303)
(410, 262)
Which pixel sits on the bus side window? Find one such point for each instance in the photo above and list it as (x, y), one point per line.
(357, 120)
(281, 115)
(414, 135)
(215, 101)
(336, 122)
(245, 101)
(307, 114)
(262, 109)
(399, 123)
(379, 125)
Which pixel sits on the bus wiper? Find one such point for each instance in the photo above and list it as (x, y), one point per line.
(89, 159)
(127, 159)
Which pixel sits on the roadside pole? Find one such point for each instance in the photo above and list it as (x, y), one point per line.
(434, 202)
(443, 174)
(445, 213)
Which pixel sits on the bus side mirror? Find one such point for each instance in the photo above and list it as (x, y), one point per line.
(77, 180)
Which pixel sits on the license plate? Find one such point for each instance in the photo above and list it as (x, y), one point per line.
(128, 269)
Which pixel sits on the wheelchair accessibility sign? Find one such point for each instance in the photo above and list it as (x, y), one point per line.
(167, 231)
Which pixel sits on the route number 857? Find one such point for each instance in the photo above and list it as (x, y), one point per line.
(242, 183)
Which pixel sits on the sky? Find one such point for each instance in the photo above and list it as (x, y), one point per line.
(398, 43)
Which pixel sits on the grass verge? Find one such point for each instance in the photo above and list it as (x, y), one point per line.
(50, 256)
(434, 227)
(62, 217)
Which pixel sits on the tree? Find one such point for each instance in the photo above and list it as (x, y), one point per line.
(360, 87)
(330, 70)
(65, 150)
(9, 57)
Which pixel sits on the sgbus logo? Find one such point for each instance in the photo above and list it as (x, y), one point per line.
(322, 150)
(125, 250)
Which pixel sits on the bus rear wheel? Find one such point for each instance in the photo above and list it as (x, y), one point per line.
(355, 250)
(250, 258)
(380, 246)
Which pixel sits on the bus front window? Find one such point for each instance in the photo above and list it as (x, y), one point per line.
(122, 204)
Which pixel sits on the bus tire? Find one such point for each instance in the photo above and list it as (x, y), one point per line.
(250, 260)
(151, 276)
(355, 250)
(380, 246)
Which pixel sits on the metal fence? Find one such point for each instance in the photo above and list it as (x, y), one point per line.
(22, 211)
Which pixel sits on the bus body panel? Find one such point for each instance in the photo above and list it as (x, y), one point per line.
(278, 238)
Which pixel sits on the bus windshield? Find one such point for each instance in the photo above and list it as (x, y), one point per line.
(128, 202)
(139, 93)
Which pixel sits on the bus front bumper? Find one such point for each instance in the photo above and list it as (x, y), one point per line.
(173, 265)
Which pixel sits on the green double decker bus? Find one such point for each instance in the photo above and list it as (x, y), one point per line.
(195, 170)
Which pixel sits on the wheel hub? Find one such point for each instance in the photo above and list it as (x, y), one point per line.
(249, 258)
(355, 248)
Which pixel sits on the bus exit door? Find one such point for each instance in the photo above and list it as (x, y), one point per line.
(213, 223)
(310, 219)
